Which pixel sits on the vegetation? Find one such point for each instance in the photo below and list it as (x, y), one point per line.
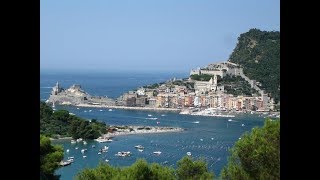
(187, 169)
(201, 77)
(50, 156)
(61, 123)
(236, 86)
(258, 52)
(256, 155)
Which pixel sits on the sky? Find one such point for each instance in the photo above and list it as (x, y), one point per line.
(147, 35)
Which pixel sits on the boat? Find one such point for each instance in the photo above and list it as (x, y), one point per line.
(76, 147)
(242, 124)
(140, 150)
(110, 110)
(84, 156)
(229, 120)
(90, 110)
(64, 163)
(83, 150)
(104, 149)
(157, 152)
(158, 122)
(70, 160)
(78, 108)
(123, 153)
(201, 139)
(196, 122)
(71, 157)
(100, 110)
(68, 150)
(107, 160)
(93, 146)
(189, 153)
(73, 141)
(149, 115)
(85, 142)
(79, 140)
(72, 114)
(139, 146)
(102, 140)
(99, 153)
(163, 115)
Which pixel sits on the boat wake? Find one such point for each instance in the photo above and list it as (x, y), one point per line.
(196, 122)
(152, 118)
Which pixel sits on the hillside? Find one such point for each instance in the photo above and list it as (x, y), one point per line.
(258, 53)
(61, 123)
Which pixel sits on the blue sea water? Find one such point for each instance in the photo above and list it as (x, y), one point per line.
(210, 139)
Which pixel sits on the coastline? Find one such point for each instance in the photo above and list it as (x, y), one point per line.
(129, 108)
(62, 138)
(144, 130)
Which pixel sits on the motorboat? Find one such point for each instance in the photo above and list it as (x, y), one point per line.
(103, 139)
(189, 153)
(93, 146)
(79, 140)
(84, 156)
(123, 153)
(85, 142)
(67, 150)
(83, 150)
(139, 147)
(140, 150)
(110, 110)
(157, 152)
(73, 141)
(64, 163)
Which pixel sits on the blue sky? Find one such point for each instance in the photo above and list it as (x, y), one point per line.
(141, 35)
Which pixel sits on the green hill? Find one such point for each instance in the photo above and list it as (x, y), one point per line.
(258, 53)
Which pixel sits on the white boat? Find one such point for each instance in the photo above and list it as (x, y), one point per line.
(140, 150)
(100, 110)
(93, 146)
(73, 141)
(189, 153)
(85, 142)
(123, 153)
(64, 163)
(99, 153)
(229, 120)
(90, 110)
(110, 110)
(79, 140)
(71, 157)
(201, 139)
(70, 160)
(68, 150)
(212, 138)
(107, 160)
(76, 147)
(78, 108)
(84, 156)
(102, 140)
(157, 152)
(163, 115)
(72, 114)
(83, 150)
(139, 146)
(242, 124)
(149, 115)
(196, 122)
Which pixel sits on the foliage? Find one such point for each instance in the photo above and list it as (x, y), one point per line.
(50, 156)
(62, 123)
(258, 52)
(256, 155)
(236, 86)
(141, 170)
(188, 169)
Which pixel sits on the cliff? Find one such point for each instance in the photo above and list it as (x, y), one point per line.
(75, 96)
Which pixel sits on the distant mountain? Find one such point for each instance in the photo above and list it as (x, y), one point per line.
(258, 53)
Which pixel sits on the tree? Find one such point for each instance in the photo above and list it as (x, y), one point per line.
(50, 156)
(188, 169)
(256, 155)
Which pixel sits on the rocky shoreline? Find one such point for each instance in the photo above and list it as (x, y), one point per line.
(131, 130)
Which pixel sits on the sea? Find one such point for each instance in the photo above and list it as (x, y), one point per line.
(207, 138)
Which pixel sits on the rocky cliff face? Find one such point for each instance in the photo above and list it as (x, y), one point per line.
(75, 96)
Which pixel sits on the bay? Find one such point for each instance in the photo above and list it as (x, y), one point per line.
(209, 139)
